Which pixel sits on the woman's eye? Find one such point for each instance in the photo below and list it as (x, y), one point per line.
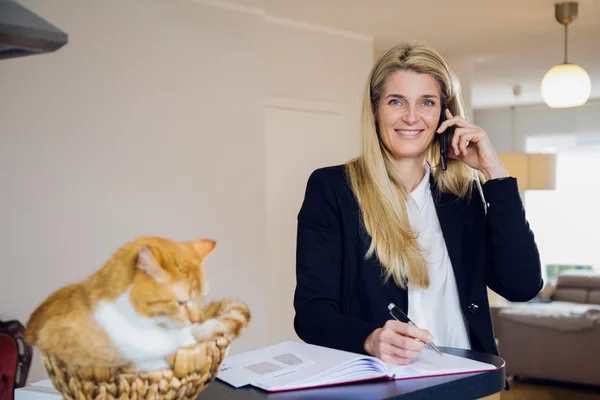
(394, 102)
(428, 103)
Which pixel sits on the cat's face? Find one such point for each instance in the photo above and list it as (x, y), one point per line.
(170, 283)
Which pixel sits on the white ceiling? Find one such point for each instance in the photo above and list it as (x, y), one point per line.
(511, 41)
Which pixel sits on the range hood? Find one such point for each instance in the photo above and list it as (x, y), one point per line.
(23, 33)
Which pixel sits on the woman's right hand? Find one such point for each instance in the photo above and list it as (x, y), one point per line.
(397, 342)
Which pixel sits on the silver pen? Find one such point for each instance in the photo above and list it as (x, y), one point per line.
(399, 315)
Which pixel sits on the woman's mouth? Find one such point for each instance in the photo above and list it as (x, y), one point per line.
(409, 133)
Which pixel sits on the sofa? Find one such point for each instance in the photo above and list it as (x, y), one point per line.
(556, 336)
(15, 358)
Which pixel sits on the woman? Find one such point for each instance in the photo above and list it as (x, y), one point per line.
(394, 226)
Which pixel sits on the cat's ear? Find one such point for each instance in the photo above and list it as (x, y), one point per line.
(150, 267)
(203, 247)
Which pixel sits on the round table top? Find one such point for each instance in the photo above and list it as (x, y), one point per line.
(459, 386)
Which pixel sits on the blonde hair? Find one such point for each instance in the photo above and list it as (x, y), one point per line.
(381, 195)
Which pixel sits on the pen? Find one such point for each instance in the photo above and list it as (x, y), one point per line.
(399, 315)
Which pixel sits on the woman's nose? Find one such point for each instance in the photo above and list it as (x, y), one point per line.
(410, 116)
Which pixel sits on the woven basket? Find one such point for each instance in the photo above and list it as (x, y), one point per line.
(194, 368)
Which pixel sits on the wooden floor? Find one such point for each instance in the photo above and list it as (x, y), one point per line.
(543, 390)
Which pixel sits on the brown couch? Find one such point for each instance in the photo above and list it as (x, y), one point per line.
(558, 339)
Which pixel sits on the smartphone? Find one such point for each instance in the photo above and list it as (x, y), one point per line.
(444, 139)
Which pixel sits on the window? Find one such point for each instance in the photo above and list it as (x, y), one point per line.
(566, 221)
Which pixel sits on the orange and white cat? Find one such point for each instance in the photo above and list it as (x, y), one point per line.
(138, 309)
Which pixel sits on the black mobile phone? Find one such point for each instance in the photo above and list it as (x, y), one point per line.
(444, 138)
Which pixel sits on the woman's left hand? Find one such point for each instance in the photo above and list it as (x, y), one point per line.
(472, 145)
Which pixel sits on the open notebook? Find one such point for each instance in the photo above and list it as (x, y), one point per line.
(294, 365)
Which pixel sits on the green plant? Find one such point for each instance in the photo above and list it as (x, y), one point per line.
(554, 270)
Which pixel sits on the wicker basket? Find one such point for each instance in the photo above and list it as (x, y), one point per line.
(193, 369)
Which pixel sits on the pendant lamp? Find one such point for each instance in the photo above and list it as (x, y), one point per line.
(566, 85)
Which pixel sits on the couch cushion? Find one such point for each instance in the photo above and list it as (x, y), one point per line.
(579, 279)
(576, 295)
(561, 316)
(594, 296)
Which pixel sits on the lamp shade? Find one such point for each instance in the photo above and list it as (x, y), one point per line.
(533, 171)
(566, 85)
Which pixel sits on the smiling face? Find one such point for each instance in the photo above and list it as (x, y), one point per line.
(408, 114)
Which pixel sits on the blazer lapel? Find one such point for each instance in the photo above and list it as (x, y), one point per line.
(447, 207)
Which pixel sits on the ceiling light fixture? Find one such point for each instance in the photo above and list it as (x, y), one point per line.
(566, 85)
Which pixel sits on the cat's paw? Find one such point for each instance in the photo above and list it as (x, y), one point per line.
(152, 365)
(209, 330)
(187, 337)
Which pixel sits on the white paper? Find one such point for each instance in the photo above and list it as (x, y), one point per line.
(47, 383)
(279, 359)
(316, 365)
(430, 363)
(331, 366)
(42, 390)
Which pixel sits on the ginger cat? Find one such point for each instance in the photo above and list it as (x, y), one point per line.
(138, 309)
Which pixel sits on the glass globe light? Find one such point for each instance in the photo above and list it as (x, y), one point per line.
(566, 85)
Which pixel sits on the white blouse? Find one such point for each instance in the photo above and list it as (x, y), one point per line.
(437, 308)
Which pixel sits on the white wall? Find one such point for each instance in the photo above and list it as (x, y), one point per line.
(509, 130)
(314, 88)
(318, 64)
(152, 121)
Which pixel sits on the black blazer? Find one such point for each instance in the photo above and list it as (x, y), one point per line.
(340, 295)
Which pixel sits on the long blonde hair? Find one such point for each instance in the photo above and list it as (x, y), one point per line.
(381, 195)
